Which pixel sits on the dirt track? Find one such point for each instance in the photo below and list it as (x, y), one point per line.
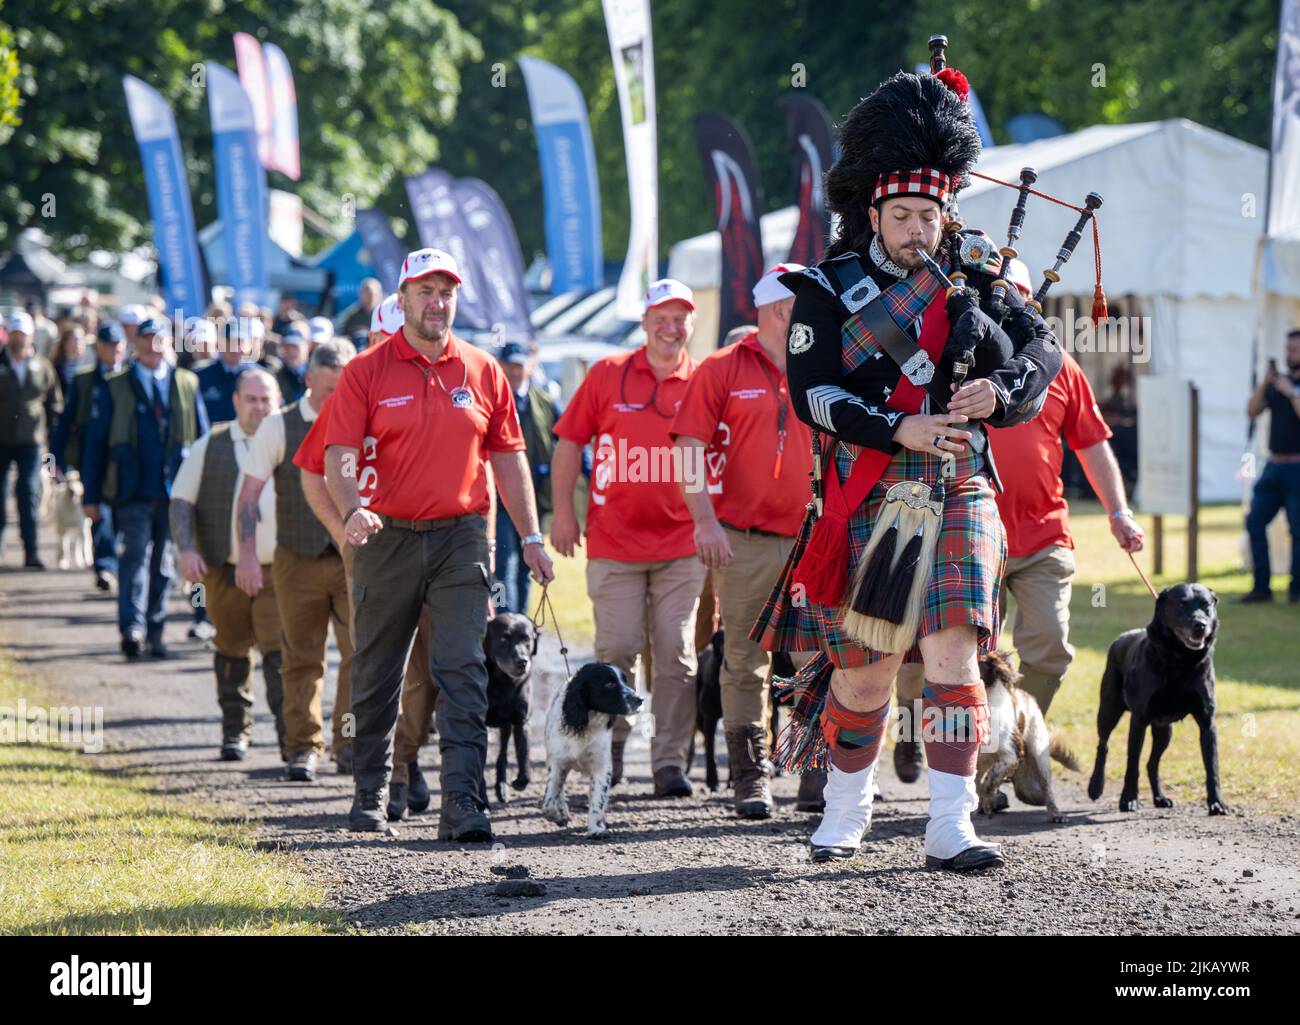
(668, 867)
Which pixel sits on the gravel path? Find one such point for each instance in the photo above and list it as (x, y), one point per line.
(680, 867)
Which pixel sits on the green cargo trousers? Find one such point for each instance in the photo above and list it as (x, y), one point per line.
(395, 574)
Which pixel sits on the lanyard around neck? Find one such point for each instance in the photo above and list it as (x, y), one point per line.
(783, 406)
(654, 394)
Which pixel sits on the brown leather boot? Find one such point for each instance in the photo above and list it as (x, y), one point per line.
(750, 769)
(908, 761)
(811, 785)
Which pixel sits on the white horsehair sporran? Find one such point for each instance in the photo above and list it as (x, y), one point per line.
(884, 608)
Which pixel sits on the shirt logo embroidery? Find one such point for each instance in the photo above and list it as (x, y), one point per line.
(462, 398)
(396, 401)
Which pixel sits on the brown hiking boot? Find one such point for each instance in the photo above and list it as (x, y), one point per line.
(908, 761)
(616, 762)
(750, 769)
(670, 781)
(811, 785)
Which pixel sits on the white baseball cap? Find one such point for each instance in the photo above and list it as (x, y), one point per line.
(20, 320)
(1018, 275)
(296, 333)
(321, 329)
(388, 315)
(423, 262)
(667, 290)
(769, 288)
(130, 316)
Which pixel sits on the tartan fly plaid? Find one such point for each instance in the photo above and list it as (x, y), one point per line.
(906, 302)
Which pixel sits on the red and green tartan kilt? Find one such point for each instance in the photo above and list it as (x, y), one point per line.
(785, 624)
(969, 563)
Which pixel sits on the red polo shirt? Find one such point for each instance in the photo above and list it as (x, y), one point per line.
(759, 453)
(1029, 458)
(430, 425)
(311, 453)
(636, 512)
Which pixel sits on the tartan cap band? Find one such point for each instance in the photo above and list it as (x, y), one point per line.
(922, 181)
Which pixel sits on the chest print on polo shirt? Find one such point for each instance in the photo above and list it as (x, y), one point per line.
(462, 398)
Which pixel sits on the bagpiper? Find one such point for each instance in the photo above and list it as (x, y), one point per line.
(904, 342)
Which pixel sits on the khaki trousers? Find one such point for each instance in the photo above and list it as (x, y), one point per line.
(1041, 585)
(242, 623)
(419, 692)
(742, 586)
(311, 593)
(619, 592)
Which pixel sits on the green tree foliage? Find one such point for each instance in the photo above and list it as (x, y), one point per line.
(375, 87)
(9, 96)
(1105, 61)
(1114, 61)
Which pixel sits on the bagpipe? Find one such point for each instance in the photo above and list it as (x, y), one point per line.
(979, 345)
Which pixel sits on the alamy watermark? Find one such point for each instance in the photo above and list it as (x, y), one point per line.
(621, 463)
(1130, 335)
(36, 724)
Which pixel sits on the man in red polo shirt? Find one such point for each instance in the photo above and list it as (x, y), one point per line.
(431, 408)
(640, 537)
(736, 415)
(408, 789)
(1040, 550)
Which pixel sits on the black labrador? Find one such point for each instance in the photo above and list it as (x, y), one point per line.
(510, 644)
(708, 702)
(1160, 675)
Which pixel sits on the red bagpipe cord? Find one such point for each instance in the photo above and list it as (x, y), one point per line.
(823, 570)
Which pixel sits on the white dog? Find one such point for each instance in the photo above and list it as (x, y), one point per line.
(579, 728)
(71, 523)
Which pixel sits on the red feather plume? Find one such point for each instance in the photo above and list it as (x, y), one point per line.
(955, 81)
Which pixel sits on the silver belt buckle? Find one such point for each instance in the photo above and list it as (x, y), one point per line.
(918, 369)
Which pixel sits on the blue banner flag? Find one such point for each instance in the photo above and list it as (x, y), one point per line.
(241, 187)
(570, 189)
(169, 200)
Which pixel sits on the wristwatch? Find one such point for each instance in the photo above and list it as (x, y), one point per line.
(1119, 514)
(532, 539)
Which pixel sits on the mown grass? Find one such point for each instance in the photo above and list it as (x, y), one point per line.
(1257, 662)
(1257, 658)
(89, 851)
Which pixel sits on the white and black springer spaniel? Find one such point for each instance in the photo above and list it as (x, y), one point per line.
(579, 729)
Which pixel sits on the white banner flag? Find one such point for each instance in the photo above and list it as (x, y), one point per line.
(284, 222)
(284, 112)
(628, 24)
(252, 75)
(1284, 172)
